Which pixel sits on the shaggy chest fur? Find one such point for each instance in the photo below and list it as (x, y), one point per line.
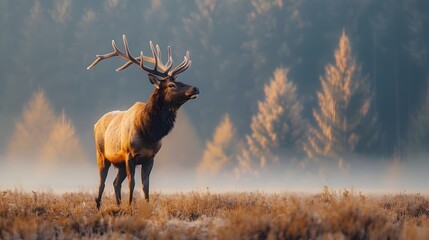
(155, 119)
(141, 129)
(155, 124)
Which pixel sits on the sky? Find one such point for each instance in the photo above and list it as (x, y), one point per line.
(46, 142)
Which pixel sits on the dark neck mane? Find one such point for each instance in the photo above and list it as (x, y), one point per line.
(157, 118)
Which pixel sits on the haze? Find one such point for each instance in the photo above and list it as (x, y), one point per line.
(247, 56)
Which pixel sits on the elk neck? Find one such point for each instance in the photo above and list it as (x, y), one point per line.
(157, 118)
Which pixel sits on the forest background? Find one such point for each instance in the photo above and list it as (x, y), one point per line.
(267, 74)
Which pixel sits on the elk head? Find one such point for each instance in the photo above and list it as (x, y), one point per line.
(161, 76)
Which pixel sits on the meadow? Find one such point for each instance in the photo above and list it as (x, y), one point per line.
(329, 214)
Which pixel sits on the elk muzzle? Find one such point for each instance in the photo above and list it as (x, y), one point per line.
(192, 93)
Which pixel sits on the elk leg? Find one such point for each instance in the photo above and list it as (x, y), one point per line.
(117, 184)
(103, 175)
(146, 169)
(131, 169)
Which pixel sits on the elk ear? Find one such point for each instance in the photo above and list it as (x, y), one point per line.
(154, 80)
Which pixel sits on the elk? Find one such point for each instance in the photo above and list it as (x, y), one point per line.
(133, 137)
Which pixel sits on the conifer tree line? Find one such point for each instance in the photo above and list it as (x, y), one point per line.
(344, 124)
(240, 50)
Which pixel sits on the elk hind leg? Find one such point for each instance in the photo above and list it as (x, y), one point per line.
(103, 170)
(146, 169)
(117, 184)
(130, 168)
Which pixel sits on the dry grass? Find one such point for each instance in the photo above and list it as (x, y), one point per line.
(197, 215)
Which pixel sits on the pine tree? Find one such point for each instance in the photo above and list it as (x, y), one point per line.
(344, 120)
(221, 150)
(62, 145)
(278, 125)
(41, 137)
(34, 127)
(245, 164)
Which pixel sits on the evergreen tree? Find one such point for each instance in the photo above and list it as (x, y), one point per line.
(344, 120)
(278, 125)
(245, 164)
(34, 127)
(41, 137)
(221, 150)
(62, 145)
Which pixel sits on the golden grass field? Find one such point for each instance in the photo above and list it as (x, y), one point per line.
(329, 214)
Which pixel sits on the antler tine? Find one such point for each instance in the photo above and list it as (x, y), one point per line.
(182, 67)
(97, 60)
(101, 57)
(174, 71)
(160, 63)
(154, 56)
(158, 54)
(127, 50)
(170, 59)
(141, 59)
(127, 64)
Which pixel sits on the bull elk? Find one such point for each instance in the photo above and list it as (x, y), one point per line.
(133, 137)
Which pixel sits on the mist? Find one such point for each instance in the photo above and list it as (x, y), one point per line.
(379, 177)
(242, 52)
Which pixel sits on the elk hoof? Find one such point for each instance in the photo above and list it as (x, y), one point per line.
(98, 202)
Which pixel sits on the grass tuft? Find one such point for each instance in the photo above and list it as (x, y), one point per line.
(329, 214)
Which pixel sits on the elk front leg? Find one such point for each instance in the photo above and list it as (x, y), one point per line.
(130, 169)
(103, 170)
(146, 169)
(117, 184)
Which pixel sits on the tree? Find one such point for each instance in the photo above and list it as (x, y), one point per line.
(278, 125)
(62, 145)
(221, 150)
(41, 137)
(344, 120)
(34, 127)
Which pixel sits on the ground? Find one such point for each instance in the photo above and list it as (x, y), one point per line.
(340, 214)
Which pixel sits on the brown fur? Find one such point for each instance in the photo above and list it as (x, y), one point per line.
(133, 137)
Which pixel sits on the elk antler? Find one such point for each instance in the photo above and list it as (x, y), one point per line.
(182, 67)
(139, 61)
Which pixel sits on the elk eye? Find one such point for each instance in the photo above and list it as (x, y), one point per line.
(171, 85)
